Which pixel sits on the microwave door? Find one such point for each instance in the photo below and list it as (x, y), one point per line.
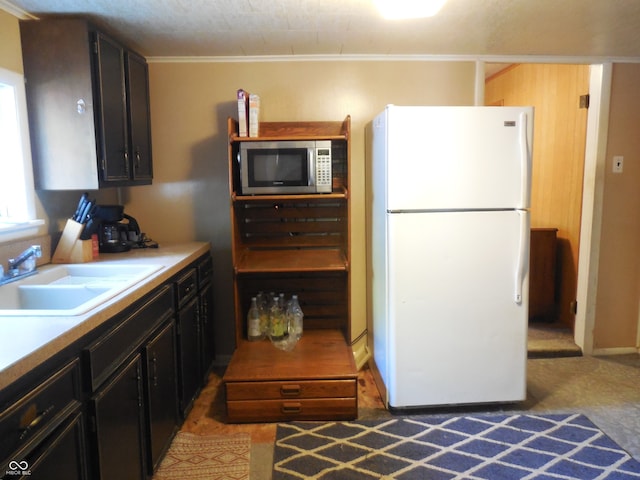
(287, 167)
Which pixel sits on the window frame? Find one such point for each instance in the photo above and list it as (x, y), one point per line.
(28, 225)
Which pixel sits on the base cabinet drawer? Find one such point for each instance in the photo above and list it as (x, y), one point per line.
(291, 389)
(32, 418)
(255, 411)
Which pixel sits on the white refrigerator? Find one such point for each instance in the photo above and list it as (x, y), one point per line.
(448, 253)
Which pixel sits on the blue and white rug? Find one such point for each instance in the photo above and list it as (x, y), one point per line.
(470, 447)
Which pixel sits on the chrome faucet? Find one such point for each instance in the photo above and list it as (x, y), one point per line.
(15, 272)
(32, 251)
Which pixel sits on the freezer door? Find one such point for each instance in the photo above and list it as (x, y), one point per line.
(457, 307)
(457, 157)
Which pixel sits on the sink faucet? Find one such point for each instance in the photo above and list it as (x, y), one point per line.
(32, 251)
(15, 272)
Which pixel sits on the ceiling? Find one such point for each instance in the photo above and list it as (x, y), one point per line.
(241, 28)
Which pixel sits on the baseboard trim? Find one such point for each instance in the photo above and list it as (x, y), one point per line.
(598, 352)
(361, 355)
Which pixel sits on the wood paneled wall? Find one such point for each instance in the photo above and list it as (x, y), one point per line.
(558, 156)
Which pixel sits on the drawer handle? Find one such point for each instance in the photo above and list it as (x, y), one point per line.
(290, 390)
(154, 364)
(35, 422)
(289, 408)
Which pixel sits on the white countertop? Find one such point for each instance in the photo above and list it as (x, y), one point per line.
(29, 341)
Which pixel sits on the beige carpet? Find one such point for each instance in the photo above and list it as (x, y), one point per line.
(206, 457)
(548, 340)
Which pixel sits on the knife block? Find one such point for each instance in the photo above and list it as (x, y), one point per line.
(70, 248)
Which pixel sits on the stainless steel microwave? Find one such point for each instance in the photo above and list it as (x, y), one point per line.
(285, 167)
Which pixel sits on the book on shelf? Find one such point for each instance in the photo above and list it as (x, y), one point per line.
(243, 113)
(254, 115)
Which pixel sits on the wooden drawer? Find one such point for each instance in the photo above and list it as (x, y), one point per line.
(317, 380)
(291, 390)
(39, 412)
(254, 411)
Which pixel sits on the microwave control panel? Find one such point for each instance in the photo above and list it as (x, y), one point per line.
(323, 167)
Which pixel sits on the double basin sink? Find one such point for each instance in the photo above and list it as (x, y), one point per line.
(69, 290)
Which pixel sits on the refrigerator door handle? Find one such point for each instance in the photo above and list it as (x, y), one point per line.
(523, 255)
(525, 161)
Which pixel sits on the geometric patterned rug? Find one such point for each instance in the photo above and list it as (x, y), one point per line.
(470, 447)
(206, 457)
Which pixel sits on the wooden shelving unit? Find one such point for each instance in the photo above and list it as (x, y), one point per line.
(293, 244)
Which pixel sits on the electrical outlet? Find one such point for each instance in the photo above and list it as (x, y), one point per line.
(618, 162)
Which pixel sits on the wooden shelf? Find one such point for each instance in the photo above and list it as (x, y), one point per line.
(303, 136)
(295, 131)
(294, 244)
(317, 380)
(291, 260)
(319, 353)
(290, 198)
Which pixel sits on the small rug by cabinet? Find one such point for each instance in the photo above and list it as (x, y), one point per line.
(206, 457)
(478, 447)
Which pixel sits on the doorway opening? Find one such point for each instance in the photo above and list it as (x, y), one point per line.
(559, 93)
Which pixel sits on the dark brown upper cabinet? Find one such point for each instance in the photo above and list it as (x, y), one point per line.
(88, 102)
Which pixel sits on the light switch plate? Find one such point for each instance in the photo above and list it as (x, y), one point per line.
(618, 162)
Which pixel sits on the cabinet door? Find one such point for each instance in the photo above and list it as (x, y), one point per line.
(113, 156)
(139, 124)
(58, 63)
(162, 393)
(189, 354)
(61, 457)
(118, 424)
(206, 322)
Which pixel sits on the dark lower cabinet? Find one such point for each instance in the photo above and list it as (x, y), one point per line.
(62, 456)
(161, 393)
(206, 321)
(189, 354)
(42, 429)
(109, 407)
(195, 329)
(117, 412)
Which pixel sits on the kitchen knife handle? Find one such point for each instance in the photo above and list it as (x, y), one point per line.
(80, 207)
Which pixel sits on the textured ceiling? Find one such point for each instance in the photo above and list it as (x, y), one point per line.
(156, 28)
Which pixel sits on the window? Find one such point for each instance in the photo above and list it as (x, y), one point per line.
(17, 195)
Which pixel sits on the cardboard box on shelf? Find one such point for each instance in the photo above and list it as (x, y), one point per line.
(243, 112)
(254, 115)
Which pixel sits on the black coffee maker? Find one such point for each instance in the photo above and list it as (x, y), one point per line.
(113, 235)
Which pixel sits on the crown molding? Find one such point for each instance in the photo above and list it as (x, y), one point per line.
(15, 11)
(393, 58)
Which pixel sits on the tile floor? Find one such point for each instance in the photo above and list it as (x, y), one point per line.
(606, 389)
